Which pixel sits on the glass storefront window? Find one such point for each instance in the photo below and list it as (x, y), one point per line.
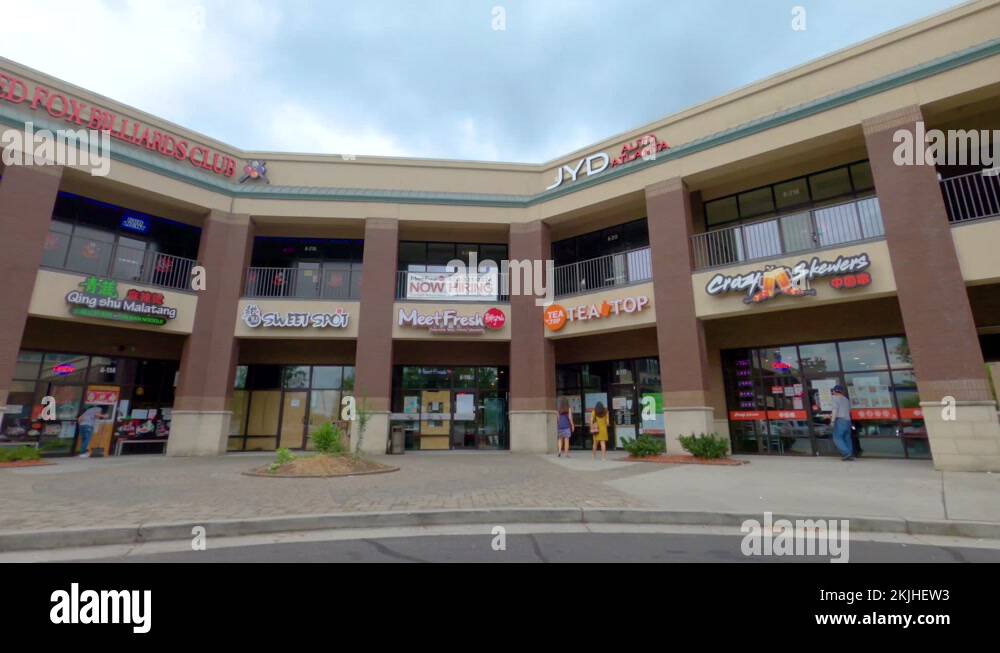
(56, 244)
(464, 377)
(28, 365)
(241, 376)
(327, 377)
(756, 202)
(899, 353)
(622, 372)
(833, 183)
(488, 378)
(791, 193)
(107, 370)
(779, 361)
(295, 377)
(861, 176)
(859, 355)
(65, 368)
(90, 251)
(721, 212)
(816, 359)
(347, 384)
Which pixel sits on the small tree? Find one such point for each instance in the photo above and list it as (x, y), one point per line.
(361, 417)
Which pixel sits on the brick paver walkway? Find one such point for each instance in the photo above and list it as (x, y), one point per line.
(132, 490)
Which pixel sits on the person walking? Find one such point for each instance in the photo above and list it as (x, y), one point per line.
(564, 426)
(87, 420)
(599, 429)
(840, 418)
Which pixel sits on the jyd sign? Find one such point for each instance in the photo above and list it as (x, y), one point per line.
(99, 299)
(645, 148)
(254, 317)
(762, 285)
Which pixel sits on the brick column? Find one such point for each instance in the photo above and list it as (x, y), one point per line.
(27, 195)
(201, 414)
(373, 376)
(934, 302)
(532, 355)
(680, 334)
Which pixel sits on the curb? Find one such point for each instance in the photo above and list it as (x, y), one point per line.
(173, 531)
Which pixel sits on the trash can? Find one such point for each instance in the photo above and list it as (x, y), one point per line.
(397, 439)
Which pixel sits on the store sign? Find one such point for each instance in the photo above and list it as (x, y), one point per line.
(99, 299)
(453, 285)
(255, 318)
(101, 396)
(761, 285)
(449, 321)
(60, 106)
(555, 316)
(135, 223)
(646, 147)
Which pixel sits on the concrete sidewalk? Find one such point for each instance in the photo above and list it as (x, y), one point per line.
(135, 492)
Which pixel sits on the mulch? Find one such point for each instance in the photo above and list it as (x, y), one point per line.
(688, 460)
(26, 463)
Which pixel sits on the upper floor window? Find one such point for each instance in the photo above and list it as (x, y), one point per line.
(611, 240)
(421, 256)
(101, 239)
(805, 192)
(307, 268)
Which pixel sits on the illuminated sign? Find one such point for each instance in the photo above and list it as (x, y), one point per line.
(99, 299)
(761, 285)
(646, 148)
(555, 316)
(63, 370)
(450, 321)
(135, 223)
(255, 318)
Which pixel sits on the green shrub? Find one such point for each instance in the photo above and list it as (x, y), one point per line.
(643, 446)
(282, 457)
(15, 454)
(328, 439)
(705, 446)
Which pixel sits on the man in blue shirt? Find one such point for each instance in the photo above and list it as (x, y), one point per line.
(841, 420)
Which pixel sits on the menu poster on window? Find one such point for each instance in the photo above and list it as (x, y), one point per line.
(868, 392)
(411, 404)
(824, 390)
(465, 406)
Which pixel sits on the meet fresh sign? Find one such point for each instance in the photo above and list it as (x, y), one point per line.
(450, 321)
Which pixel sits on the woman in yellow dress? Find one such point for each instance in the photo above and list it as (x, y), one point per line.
(599, 429)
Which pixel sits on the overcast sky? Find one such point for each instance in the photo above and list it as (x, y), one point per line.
(434, 78)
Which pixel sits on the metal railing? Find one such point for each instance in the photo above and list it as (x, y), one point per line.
(785, 234)
(403, 289)
(133, 265)
(304, 283)
(972, 196)
(604, 272)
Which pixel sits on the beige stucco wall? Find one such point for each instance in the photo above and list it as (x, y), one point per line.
(352, 308)
(463, 309)
(731, 303)
(976, 244)
(621, 322)
(49, 300)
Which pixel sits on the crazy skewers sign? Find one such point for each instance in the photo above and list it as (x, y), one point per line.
(773, 280)
(556, 317)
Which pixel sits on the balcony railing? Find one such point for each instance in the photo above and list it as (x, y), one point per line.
(133, 265)
(973, 196)
(796, 232)
(440, 286)
(304, 283)
(604, 272)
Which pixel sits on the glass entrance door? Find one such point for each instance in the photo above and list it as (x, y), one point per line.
(820, 407)
(464, 427)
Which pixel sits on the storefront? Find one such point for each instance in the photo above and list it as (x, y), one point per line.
(135, 397)
(778, 398)
(282, 405)
(451, 407)
(629, 389)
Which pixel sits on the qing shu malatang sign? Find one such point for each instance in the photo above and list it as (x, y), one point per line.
(60, 106)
